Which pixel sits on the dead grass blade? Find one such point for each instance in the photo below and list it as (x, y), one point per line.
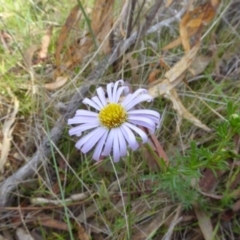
(176, 220)
(72, 19)
(46, 39)
(151, 161)
(183, 112)
(209, 180)
(5, 40)
(153, 158)
(60, 81)
(47, 221)
(82, 234)
(161, 153)
(100, 26)
(174, 76)
(184, 32)
(7, 131)
(192, 22)
(155, 224)
(199, 64)
(153, 76)
(180, 67)
(27, 57)
(102, 22)
(3, 238)
(168, 3)
(100, 14)
(236, 206)
(205, 223)
(146, 230)
(215, 3)
(77, 51)
(133, 62)
(22, 234)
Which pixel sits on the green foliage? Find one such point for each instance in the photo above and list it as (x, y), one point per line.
(181, 178)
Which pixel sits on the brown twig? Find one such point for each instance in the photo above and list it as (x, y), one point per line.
(149, 18)
(130, 17)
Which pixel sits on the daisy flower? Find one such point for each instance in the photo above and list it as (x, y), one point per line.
(113, 126)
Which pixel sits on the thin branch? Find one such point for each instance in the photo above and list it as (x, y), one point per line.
(74, 198)
(130, 17)
(125, 44)
(149, 18)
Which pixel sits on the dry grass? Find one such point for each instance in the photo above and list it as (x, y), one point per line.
(51, 191)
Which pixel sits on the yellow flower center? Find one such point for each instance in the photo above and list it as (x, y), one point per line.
(113, 115)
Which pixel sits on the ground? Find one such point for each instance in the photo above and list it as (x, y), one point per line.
(182, 184)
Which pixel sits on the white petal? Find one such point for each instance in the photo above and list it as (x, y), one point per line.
(109, 143)
(86, 113)
(99, 147)
(90, 137)
(109, 91)
(129, 136)
(155, 118)
(120, 91)
(137, 100)
(101, 95)
(79, 129)
(91, 103)
(91, 143)
(116, 149)
(115, 88)
(139, 131)
(142, 119)
(97, 101)
(130, 97)
(79, 120)
(147, 123)
(143, 112)
(122, 143)
(126, 99)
